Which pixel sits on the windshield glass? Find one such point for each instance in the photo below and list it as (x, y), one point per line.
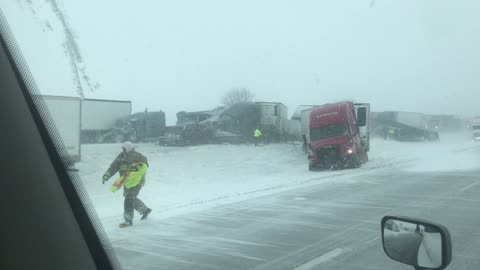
(328, 131)
(189, 124)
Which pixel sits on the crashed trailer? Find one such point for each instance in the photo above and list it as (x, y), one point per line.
(100, 115)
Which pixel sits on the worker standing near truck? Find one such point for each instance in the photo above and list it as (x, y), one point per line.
(129, 164)
(257, 135)
(391, 133)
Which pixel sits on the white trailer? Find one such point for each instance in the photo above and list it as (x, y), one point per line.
(273, 114)
(297, 115)
(101, 114)
(66, 115)
(364, 109)
(305, 124)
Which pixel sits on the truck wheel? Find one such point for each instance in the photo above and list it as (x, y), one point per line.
(355, 162)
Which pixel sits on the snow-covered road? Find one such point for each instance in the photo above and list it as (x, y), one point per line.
(204, 179)
(180, 180)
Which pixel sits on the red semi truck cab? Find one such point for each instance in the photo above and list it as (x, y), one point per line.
(339, 136)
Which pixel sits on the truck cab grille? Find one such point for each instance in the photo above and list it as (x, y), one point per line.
(328, 153)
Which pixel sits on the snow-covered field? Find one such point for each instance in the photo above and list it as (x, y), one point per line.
(186, 179)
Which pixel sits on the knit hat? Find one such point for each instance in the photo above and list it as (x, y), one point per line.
(128, 146)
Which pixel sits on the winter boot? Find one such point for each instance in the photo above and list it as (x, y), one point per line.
(125, 224)
(145, 215)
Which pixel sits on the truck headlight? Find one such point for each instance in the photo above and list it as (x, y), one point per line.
(349, 151)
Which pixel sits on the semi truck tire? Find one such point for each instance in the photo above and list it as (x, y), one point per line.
(355, 163)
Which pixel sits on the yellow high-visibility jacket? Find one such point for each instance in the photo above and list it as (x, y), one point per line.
(132, 178)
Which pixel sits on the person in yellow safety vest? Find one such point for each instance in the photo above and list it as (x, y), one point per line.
(256, 136)
(391, 133)
(132, 167)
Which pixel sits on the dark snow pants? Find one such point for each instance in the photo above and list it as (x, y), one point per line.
(132, 202)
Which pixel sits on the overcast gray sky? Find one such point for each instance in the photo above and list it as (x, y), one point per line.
(177, 55)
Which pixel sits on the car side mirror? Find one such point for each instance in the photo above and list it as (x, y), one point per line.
(421, 244)
(361, 117)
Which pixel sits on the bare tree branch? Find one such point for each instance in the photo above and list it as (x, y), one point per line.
(70, 46)
(237, 95)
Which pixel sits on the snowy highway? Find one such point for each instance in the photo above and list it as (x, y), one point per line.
(334, 75)
(246, 207)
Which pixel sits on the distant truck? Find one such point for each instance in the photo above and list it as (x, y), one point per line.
(404, 126)
(65, 112)
(338, 135)
(475, 129)
(476, 133)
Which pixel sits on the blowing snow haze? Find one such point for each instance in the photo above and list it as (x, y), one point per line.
(184, 55)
